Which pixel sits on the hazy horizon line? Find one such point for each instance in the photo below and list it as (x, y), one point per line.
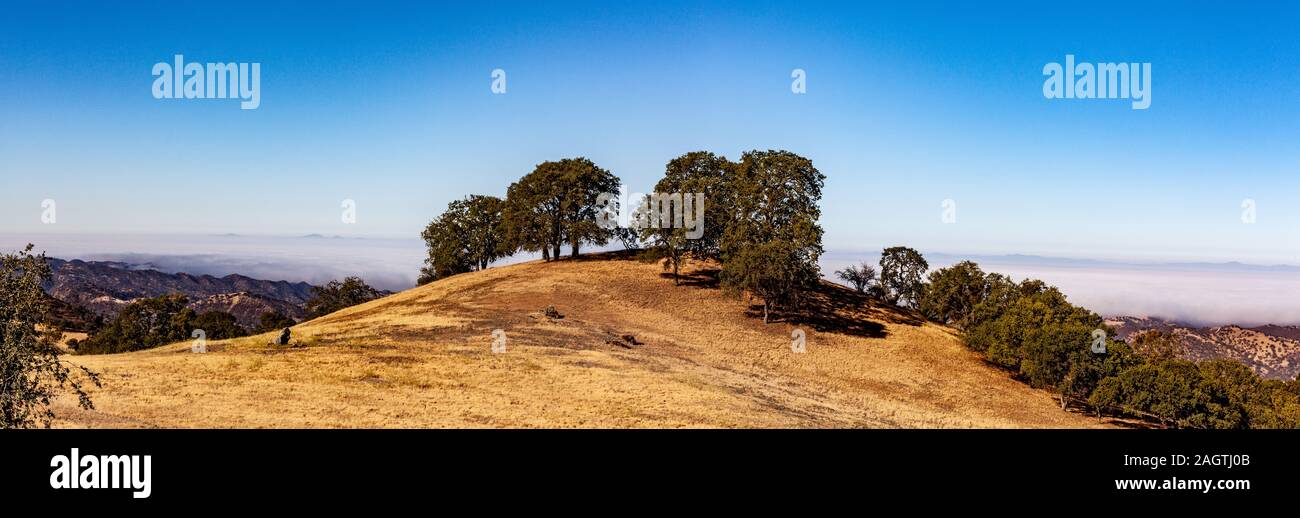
(1139, 260)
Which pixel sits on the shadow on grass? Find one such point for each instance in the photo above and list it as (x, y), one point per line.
(703, 278)
(1076, 407)
(829, 309)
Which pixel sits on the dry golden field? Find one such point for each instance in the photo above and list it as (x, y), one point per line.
(423, 358)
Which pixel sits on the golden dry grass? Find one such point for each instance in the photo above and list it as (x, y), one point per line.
(422, 358)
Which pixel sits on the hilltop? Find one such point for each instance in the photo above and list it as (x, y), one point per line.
(630, 350)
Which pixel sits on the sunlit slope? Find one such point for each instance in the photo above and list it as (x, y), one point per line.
(423, 358)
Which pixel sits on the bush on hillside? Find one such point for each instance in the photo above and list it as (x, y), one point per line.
(273, 321)
(143, 324)
(337, 295)
(1032, 330)
(217, 325)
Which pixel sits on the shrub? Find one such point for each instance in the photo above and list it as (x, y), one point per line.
(863, 277)
(273, 321)
(338, 295)
(143, 324)
(217, 325)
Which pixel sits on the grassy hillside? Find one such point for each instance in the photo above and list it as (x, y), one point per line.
(422, 358)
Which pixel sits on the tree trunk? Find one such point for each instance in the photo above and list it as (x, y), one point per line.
(575, 249)
(764, 312)
(677, 278)
(556, 250)
(546, 253)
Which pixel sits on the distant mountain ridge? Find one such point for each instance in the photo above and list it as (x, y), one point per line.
(105, 287)
(1272, 351)
(1043, 260)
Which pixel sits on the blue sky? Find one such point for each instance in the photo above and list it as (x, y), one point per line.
(390, 105)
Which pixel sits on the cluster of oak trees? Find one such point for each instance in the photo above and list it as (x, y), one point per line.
(552, 206)
(1029, 328)
(760, 221)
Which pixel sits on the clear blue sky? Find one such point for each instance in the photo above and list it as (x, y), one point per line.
(390, 105)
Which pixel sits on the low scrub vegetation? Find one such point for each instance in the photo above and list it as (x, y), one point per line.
(151, 322)
(337, 295)
(1030, 329)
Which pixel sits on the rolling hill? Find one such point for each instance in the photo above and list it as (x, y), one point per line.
(627, 349)
(105, 287)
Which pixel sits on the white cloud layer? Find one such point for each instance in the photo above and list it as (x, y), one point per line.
(1195, 293)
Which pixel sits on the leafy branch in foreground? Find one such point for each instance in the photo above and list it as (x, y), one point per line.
(31, 373)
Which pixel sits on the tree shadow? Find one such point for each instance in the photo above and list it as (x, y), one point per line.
(613, 255)
(831, 309)
(827, 308)
(700, 278)
(1077, 407)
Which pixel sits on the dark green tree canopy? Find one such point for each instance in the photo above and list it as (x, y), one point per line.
(557, 204)
(468, 236)
(338, 295)
(953, 292)
(704, 173)
(696, 177)
(217, 325)
(771, 246)
(1031, 329)
(532, 213)
(273, 321)
(143, 324)
(583, 183)
(901, 269)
